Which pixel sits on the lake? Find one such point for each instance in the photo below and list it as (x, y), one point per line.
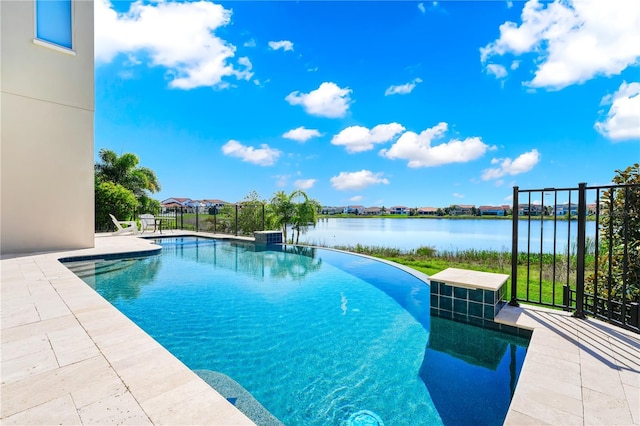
(442, 234)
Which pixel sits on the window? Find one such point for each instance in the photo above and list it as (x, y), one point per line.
(53, 22)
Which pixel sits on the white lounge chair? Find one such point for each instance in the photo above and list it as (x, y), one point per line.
(147, 221)
(131, 226)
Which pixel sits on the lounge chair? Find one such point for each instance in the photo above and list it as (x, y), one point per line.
(146, 221)
(131, 226)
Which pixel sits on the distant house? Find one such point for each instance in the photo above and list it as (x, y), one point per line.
(171, 204)
(179, 201)
(566, 208)
(189, 205)
(331, 210)
(353, 210)
(398, 210)
(530, 209)
(213, 205)
(427, 211)
(491, 210)
(196, 205)
(460, 209)
(372, 211)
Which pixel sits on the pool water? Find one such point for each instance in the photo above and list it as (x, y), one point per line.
(318, 337)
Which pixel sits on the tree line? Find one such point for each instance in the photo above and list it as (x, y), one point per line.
(123, 189)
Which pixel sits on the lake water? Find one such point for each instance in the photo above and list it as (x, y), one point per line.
(442, 234)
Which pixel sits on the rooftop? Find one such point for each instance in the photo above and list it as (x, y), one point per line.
(70, 357)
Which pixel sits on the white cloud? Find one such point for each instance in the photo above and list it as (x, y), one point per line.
(356, 199)
(359, 139)
(457, 195)
(524, 163)
(496, 69)
(304, 183)
(418, 149)
(509, 4)
(422, 8)
(301, 134)
(250, 43)
(357, 180)
(402, 89)
(177, 36)
(263, 156)
(328, 100)
(281, 180)
(623, 119)
(282, 44)
(574, 40)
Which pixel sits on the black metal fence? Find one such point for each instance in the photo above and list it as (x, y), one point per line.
(232, 219)
(557, 264)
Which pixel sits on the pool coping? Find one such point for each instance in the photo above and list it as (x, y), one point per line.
(68, 357)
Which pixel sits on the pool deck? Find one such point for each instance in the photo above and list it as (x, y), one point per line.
(69, 357)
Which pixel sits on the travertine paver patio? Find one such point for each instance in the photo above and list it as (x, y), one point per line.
(575, 372)
(69, 357)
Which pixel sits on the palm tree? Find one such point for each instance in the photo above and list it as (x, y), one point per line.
(121, 187)
(124, 170)
(295, 209)
(305, 213)
(283, 209)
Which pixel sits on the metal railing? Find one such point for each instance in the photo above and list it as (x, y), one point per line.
(589, 275)
(232, 219)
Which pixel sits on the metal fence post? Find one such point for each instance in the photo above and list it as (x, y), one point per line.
(197, 223)
(263, 216)
(625, 253)
(514, 249)
(582, 229)
(181, 218)
(236, 220)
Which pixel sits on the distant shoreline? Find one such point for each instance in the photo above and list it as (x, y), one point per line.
(459, 217)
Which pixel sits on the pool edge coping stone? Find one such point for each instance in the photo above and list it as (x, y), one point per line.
(470, 279)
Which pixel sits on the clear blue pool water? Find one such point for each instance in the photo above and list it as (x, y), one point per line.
(317, 336)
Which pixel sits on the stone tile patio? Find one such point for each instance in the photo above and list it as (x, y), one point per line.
(575, 372)
(69, 357)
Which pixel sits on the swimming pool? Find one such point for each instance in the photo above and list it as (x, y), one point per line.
(316, 336)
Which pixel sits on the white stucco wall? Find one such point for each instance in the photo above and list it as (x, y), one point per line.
(46, 134)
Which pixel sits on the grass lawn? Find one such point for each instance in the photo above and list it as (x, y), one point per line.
(430, 261)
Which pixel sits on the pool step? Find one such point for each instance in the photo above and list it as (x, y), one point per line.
(239, 397)
(90, 268)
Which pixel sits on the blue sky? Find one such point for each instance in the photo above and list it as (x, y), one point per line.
(370, 103)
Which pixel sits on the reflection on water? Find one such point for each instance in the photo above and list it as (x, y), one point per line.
(467, 367)
(132, 274)
(258, 261)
